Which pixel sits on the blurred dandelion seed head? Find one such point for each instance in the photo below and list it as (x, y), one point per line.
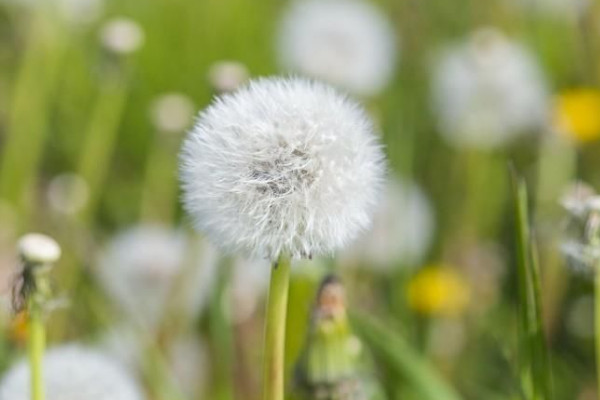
(348, 43)
(36, 248)
(67, 193)
(122, 36)
(402, 230)
(577, 114)
(73, 372)
(140, 268)
(282, 166)
(487, 91)
(172, 113)
(227, 76)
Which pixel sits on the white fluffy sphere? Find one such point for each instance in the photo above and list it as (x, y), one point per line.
(147, 269)
(73, 372)
(282, 166)
(487, 91)
(348, 43)
(37, 248)
(402, 232)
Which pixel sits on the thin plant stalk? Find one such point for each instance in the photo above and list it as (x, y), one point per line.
(36, 345)
(274, 352)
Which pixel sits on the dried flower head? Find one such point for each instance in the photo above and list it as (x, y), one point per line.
(227, 76)
(348, 43)
(488, 91)
(172, 112)
(282, 166)
(36, 248)
(73, 372)
(122, 36)
(142, 269)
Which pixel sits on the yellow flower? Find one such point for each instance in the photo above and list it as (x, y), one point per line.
(438, 290)
(577, 114)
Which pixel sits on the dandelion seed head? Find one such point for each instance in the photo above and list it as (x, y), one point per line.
(122, 35)
(348, 43)
(282, 166)
(487, 91)
(73, 372)
(172, 112)
(227, 76)
(37, 248)
(140, 268)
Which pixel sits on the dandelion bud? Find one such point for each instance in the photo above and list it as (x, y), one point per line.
(36, 248)
(73, 372)
(227, 76)
(282, 166)
(122, 36)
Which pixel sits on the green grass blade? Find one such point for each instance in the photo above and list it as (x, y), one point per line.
(534, 361)
(392, 348)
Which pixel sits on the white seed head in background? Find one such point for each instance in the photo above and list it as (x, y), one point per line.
(487, 91)
(227, 76)
(172, 113)
(348, 43)
(67, 193)
(73, 372)
(282, 166)
(122, 36)
(141, 270)
(36, 248)
(402, 231)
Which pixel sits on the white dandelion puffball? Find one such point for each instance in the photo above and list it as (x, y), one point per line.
(37, 248)
(282, 166)
(348, 43)
(488, 91)
(172, 112)
(73, 372)
(141, 270)
(402, 231)
(122, 35)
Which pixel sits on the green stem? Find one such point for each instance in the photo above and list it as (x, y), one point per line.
(273, 384)
(37, 341)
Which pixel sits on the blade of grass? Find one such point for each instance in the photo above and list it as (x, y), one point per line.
(534, 362)
(392, 348)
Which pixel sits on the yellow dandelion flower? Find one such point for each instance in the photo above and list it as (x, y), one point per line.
(438, 290)
(577, 114)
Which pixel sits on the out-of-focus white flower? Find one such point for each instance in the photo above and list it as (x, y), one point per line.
(67, 193)
(348, 43)
(282, 166)
(487, 91)
(122, 35)
(37, 248)
(402, 229)
(148, 269)
(73, 372)
(172, 112)
(227, 76)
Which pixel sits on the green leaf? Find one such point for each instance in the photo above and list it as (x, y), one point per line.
(391, 347)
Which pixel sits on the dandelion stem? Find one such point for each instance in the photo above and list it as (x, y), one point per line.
(37, 341)
(273, 388)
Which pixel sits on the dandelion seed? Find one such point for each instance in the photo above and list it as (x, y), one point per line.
(282, 166)
(172, 113)
(122, 36)
(73, 372)
(348, 43)
(227, 76)
(488, 91)
(140, 269)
